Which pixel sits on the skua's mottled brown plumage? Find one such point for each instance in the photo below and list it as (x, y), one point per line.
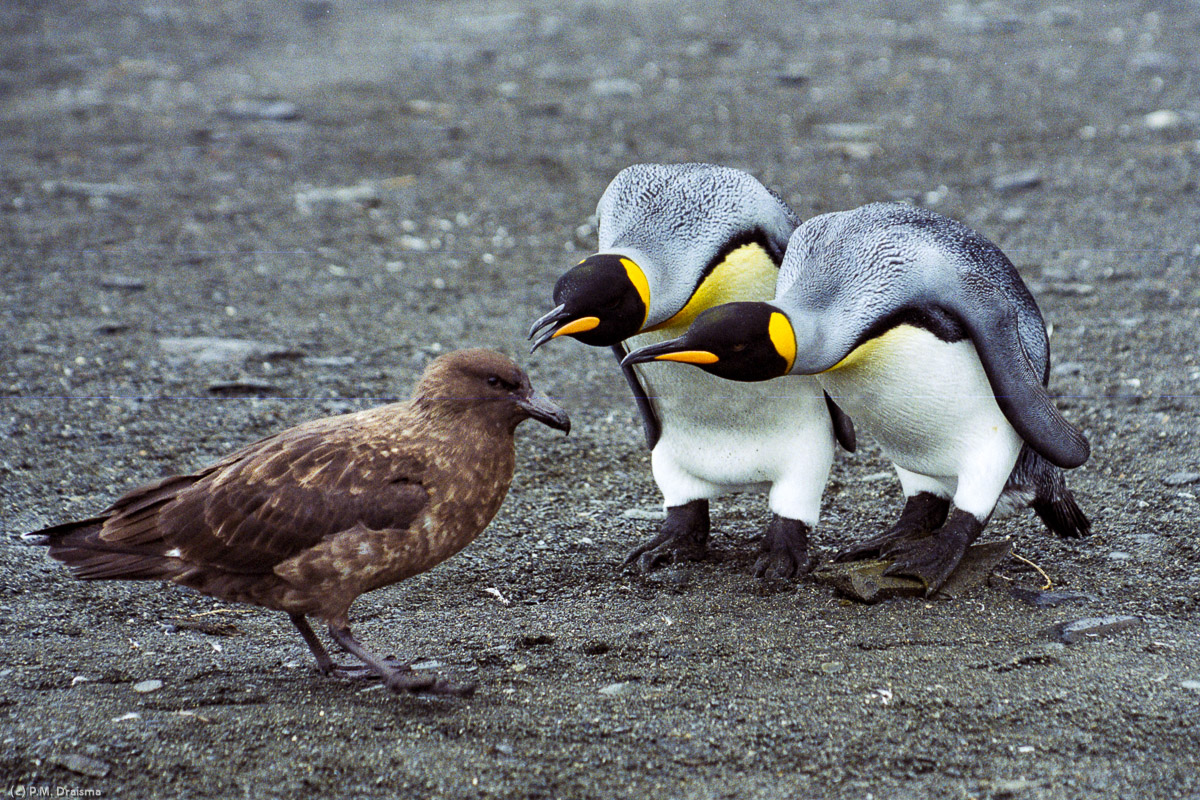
(307, 520)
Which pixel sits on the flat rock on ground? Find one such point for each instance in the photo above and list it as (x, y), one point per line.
(171, 143)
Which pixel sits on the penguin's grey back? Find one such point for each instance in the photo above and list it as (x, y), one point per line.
(887, 263)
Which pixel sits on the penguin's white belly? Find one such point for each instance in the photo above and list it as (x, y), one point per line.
(739, 434)
(928, 403)
(720, 436)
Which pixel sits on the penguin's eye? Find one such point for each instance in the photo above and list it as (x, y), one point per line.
(739, 347)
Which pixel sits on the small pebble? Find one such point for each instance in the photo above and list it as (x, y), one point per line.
(856, 151)
(849, 131)
(1181, 478)
(1013, 214)
(617, 689)
(81, 764)
(1163, 119)
(85, 189)
(1017, 181)
(1119, 555)
(129, 715)
(1193, 686)
(122, 282)
(152, 685)
(246, 388)
(364, 194)
(832, 667)
(616, 87)
(1092, 627)
(1067, 368)
(427, 664)
(642, 513)
(1041, 599)
(277, 110)
(214, 350)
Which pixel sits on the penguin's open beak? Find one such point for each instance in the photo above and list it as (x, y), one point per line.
(541, 408)
(673, 350)
(559, 323)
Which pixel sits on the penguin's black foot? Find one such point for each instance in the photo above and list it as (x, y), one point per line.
(932, 559)
(683, 537)
(923, 513)
(784, 551)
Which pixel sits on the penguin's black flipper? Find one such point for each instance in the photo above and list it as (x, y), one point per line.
(843, 426)
(650, 421)
(991, 322)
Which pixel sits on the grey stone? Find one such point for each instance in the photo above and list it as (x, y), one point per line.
(848, 131)
(122, 282)
(617, 689)
(242, 388)
(214, 350)
(274, 110)
(1163, 120)
(1067, 368)
(1092, 628)
(642, 513)
(90, 190)
(616, 87)
(1181, 478)
(144, 687)
(81, 764)
(1043, 599)
(363, 194)
(1017, 181)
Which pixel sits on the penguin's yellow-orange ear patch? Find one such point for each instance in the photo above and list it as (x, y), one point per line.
(640, 284)
(783, 338)
(690, 357)
(580, 325)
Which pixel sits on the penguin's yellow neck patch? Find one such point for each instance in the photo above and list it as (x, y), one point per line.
(878, 348)
(640, 284)
(747, 273)
(783, 337)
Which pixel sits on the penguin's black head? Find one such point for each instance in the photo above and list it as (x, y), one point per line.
(735, 341)
(602, 301)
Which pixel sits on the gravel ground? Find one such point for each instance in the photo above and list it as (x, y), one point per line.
(221, 219)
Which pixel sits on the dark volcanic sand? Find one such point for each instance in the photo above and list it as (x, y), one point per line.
(151, 191)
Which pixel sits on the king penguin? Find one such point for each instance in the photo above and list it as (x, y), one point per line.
(675, 240)
(923, 332)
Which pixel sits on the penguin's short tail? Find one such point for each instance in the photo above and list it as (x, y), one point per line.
(1048, 495)
(1063, 515)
